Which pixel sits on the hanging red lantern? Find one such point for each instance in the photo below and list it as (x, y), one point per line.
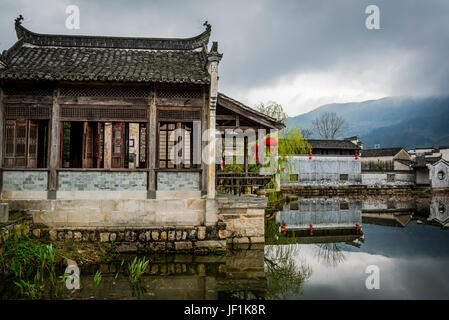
(271, 141)
(310, 154)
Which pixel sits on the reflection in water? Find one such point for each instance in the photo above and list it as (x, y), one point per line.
(399, 236)
(330, 254)
(402, 236)
(439, 210)
(285, 275)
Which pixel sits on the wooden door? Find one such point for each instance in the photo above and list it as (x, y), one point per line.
(88, 145)
(21, 144)
(118, 145)
(10, 143)
(32, 144)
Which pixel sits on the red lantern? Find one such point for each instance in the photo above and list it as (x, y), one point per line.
(356, 154)
(271, 141)
(310, 154)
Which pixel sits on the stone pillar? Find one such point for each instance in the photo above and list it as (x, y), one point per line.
(213, 59)
(107, 145)
(151, 147)
(55, 146)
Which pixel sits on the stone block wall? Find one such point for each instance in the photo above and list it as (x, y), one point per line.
(24, 185)
(323, 171)
(102, 180)
(101, 213)
(174, 181)
(243, 218)
(388, 179)
(202, 239)
(25, 180)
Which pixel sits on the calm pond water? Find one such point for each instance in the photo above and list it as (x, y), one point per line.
(405, 238)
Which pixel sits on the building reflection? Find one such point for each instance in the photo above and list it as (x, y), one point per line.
(239, 274)
(387, 211)
(439, 210)
(322, 221)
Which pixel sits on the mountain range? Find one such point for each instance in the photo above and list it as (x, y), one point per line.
(390, 122)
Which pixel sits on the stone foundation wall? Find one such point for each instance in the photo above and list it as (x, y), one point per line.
(174, 181)
(203, 239)
(243, 217)
(380, 179)
(149, 213)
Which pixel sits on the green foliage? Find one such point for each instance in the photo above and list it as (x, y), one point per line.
(120, 268)
(137, 268)
(272, 109)
(97, 279)
(291, 142)
(30, 262)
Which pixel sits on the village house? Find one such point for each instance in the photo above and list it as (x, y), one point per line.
(439, 174)
(423, 158)
(386, 159)
(387, 167)
(89, 128)
(330, 163)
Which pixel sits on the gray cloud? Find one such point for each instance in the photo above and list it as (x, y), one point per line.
(268, 44)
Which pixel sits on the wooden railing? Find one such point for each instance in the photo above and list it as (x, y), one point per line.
(236, 182)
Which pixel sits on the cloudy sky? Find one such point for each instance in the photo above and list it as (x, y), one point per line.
(301, 53)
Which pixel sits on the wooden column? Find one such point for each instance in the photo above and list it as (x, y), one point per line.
(245, 154)
(107, 152)
(55, 148)
(204, 126)
(152, 146)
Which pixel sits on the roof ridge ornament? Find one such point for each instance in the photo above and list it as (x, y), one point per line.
(57, 40)
(19, 19)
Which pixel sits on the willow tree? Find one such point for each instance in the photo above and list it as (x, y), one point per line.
(291, 140)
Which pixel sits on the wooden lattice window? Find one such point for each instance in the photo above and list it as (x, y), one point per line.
(109, 113)
(179, 94)
(118, 145)
(142, 144)
(179, 115)
(112, 91)
(176, 145)
(22, 141)
(166, 145)
(27, 112)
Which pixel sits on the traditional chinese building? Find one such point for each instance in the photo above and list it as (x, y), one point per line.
(89, 124)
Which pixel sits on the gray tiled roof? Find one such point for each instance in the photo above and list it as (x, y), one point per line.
(332, 144)
(276, 124)
(384, 152)
(86, 58)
